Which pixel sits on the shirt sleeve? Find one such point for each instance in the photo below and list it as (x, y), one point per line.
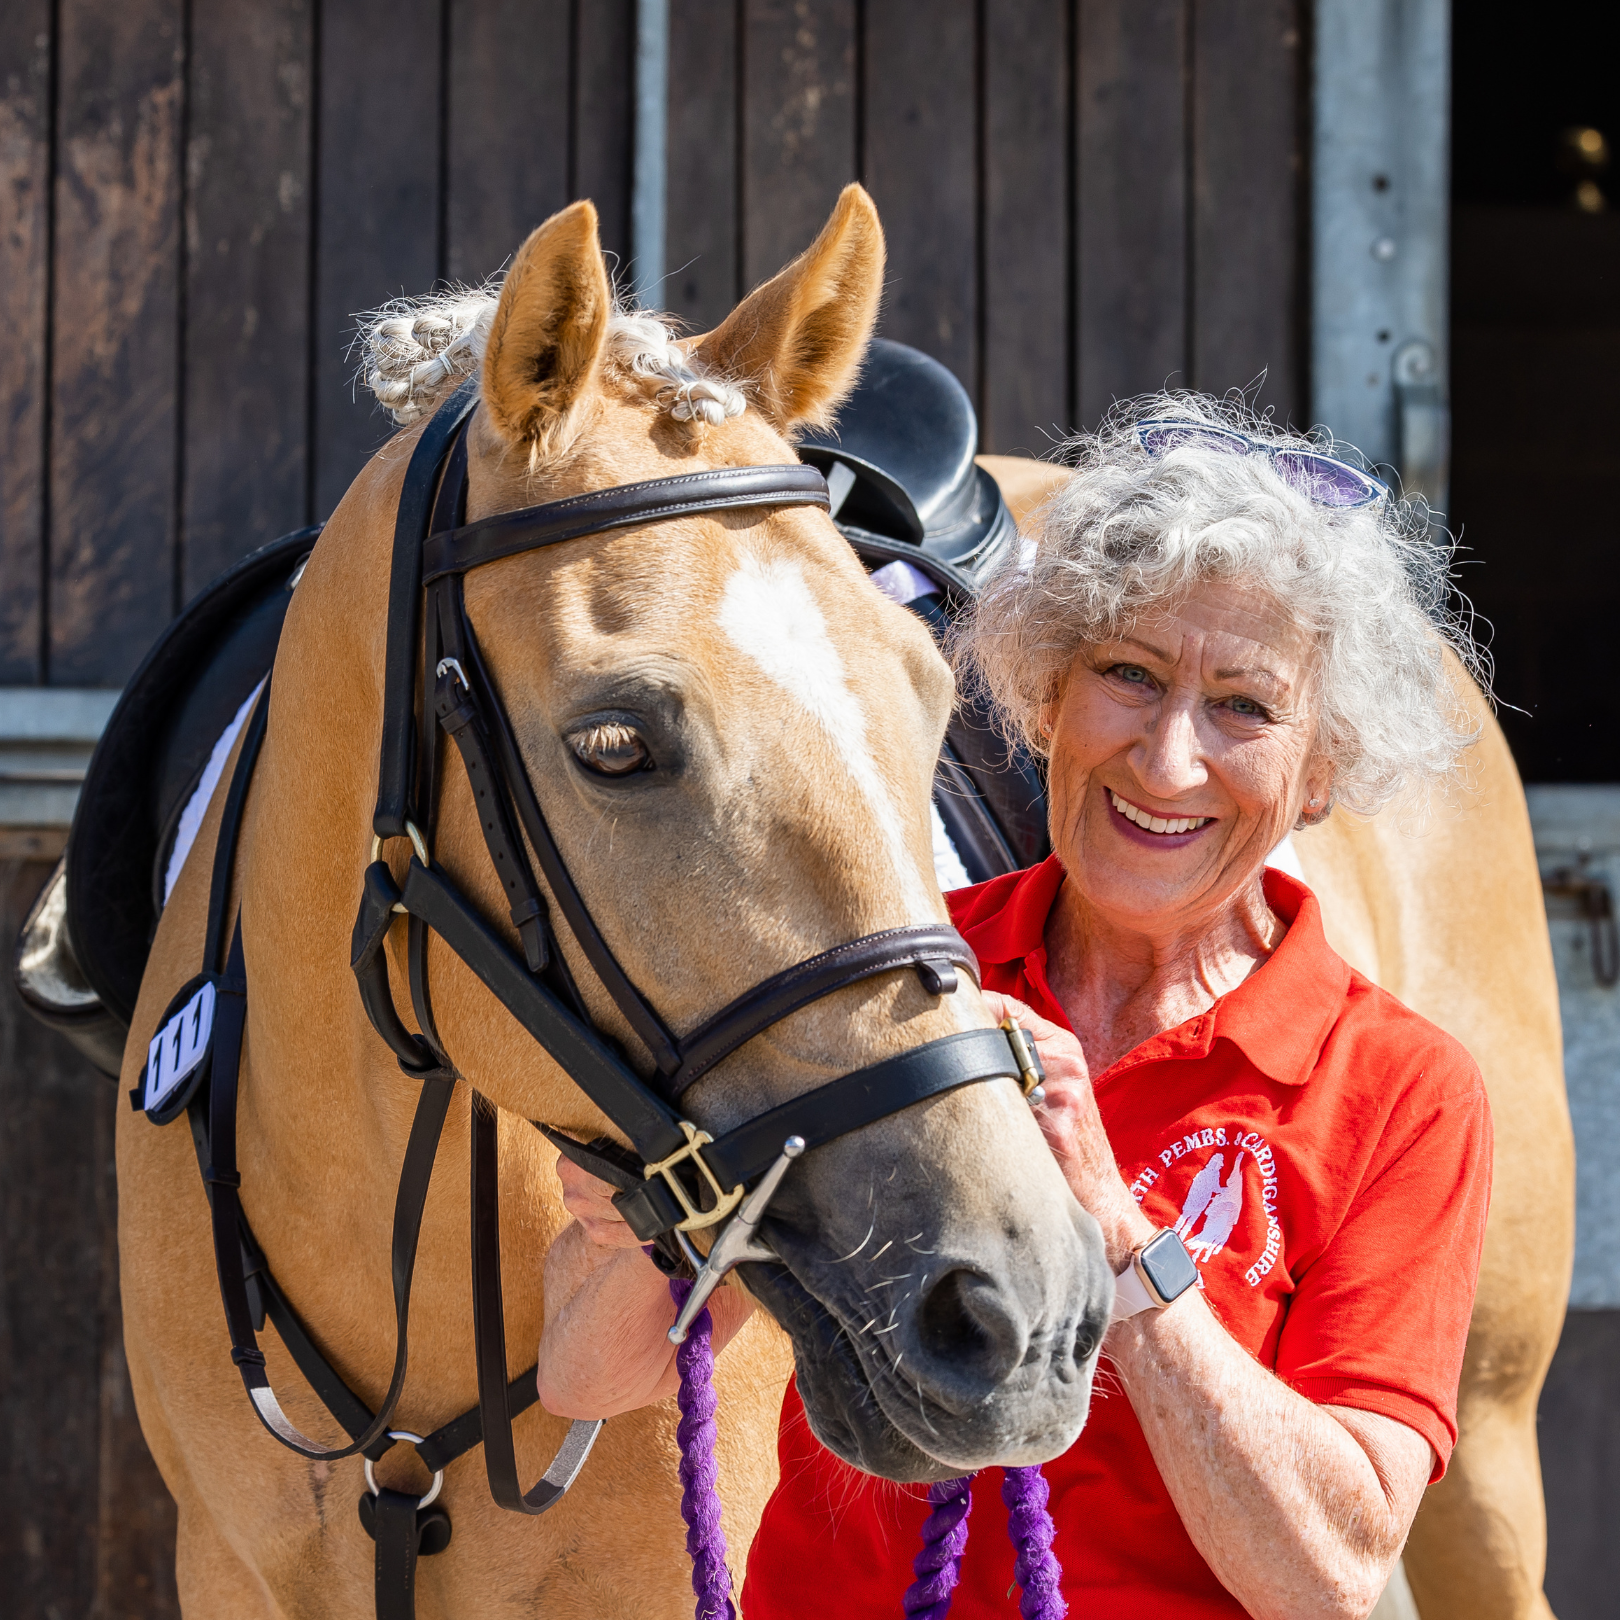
(1379, 1319)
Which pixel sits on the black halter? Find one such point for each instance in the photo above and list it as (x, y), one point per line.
(674, 1178)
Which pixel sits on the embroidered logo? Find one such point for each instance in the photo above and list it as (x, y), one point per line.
(1216, 1203)
(1213, 1205)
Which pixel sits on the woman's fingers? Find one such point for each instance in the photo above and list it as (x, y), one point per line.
(590, 1201)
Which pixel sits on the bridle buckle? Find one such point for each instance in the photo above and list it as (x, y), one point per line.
(725, 1201)
(1031, 1076)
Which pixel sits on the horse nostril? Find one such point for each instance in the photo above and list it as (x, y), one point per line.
(1086, 1340)
(965, 1322)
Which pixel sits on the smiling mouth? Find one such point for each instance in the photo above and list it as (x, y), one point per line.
(1164, 825)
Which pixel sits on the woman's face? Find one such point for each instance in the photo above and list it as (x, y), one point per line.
(1182, 754)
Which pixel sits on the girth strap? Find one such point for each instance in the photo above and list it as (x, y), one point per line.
(721, 489)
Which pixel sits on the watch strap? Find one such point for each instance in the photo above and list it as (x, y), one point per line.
(1131, 1296)
(1137, 1288)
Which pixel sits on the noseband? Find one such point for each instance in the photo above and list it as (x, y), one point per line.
(675, 1177)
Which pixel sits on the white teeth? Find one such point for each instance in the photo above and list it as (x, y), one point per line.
(1158, 824)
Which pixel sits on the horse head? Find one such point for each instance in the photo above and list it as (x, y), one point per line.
(732, 736)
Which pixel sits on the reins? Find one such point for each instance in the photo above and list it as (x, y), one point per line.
(675, 1178)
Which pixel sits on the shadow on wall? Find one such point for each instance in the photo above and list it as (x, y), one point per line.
(86, 1526)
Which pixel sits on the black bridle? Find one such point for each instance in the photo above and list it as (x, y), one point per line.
(674, 1178)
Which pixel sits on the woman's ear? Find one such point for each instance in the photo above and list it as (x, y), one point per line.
(548, 332)
(796, 343)
(1317, 804)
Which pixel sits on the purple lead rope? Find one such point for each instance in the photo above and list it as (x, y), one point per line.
(938, 1567)
(700, 1495)
(1036, 1570)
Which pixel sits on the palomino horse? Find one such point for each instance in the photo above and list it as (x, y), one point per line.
(781, 723)
(1444, 910)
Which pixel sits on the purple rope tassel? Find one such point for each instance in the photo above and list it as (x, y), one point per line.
(700, 1497)
(1025, 1492)
(938, 1567)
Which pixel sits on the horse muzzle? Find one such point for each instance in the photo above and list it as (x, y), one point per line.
(950, 1340)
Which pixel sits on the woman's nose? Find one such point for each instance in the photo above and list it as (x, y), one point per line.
(1170, 760)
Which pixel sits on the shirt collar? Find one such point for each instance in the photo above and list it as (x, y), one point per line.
(1278, 1017)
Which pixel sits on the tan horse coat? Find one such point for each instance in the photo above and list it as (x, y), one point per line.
(1444, 910)
(758, 855)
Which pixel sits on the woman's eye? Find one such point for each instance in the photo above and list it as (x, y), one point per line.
(1247, 707)
(610, 749)
(1133, 673)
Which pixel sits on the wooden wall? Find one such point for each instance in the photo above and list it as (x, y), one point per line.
(1084, 198)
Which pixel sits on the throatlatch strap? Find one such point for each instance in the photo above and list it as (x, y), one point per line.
(489, 1337)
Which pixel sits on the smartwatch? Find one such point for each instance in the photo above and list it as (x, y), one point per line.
(1160, 1270)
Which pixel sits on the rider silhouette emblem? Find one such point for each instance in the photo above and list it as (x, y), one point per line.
(1217, 1203)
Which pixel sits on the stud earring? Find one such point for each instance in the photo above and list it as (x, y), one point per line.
(1315, 802)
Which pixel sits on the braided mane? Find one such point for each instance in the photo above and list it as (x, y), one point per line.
(415, 351)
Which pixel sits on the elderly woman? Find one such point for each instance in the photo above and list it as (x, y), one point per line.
(1219, 632)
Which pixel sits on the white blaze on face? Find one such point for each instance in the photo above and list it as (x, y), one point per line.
(770, 615)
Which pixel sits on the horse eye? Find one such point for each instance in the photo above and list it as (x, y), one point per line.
(610, 749)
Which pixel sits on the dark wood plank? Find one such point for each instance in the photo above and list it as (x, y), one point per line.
(25, 137)
(86, 1526)
(1027, 393)
(798, 125)
(921, 165)
(1131, 327)
(1578, 1425)
(507, 165)
(247, 281)
(604, 111)
(380, 79)
(1250, 251)
(700, 249)
(115, 337)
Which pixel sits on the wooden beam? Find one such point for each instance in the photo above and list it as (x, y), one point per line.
(115, 335)
(246, 371)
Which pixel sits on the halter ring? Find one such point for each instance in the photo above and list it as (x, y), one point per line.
(725, 1201)
(438, 1477)
(418, 843)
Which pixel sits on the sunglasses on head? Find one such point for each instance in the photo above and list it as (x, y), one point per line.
(1323, 479)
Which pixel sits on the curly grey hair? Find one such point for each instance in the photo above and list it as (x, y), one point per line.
(1130, 534)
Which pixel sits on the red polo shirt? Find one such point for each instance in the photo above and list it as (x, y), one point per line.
(1325, 1154)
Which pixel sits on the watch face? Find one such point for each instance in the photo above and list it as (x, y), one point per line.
(1168, 1266)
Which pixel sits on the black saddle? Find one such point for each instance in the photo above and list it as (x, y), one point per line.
(83, 950)
(907, 435)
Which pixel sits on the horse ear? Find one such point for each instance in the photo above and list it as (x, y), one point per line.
(797, 342)
(546, 339)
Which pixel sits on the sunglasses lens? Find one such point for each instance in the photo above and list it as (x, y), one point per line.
(1325, 480)
(1158, 438)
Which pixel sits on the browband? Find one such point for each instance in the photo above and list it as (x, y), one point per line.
(723, 489)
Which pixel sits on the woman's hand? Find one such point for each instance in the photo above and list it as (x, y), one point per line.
(608, 1309)
(1074, 1131)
